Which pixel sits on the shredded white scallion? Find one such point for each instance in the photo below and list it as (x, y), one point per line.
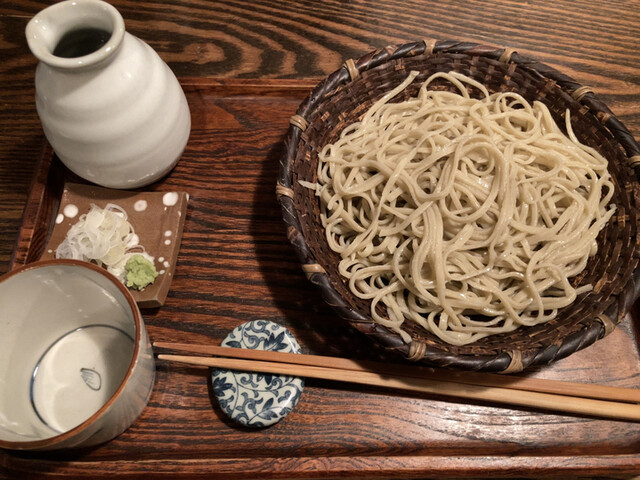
(103, 236)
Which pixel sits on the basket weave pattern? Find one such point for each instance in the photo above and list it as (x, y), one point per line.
(349, 92)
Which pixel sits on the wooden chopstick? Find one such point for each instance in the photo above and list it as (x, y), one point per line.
(511, 382)
(544, 401)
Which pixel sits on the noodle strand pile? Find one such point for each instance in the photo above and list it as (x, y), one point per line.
(466, 216)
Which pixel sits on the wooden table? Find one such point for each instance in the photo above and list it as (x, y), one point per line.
(245, 67)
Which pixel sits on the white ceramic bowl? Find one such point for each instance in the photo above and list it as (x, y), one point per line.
(76, 365)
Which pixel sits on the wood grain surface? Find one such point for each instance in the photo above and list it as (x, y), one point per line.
(246, 66)
(596, 42)
(236, 265)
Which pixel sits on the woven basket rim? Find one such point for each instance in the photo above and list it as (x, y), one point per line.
(509, 360)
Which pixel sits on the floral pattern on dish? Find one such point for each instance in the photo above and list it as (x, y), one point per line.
(258, 399)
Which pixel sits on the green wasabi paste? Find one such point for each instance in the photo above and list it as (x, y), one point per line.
(139, 272)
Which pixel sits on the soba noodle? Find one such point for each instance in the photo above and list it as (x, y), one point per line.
(466, 216)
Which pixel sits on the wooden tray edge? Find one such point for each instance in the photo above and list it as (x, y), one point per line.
(38, 212)
(334, 467)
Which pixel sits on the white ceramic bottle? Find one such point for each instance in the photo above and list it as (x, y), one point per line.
(110, 107)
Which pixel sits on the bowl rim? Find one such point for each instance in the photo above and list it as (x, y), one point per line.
(38, 34)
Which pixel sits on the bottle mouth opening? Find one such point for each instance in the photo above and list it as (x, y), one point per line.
(75, 33)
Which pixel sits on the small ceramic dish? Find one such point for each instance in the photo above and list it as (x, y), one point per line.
(156, 217)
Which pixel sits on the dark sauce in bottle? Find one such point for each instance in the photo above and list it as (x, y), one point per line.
(81, 42)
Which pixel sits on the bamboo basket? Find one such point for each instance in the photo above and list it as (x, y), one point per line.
(346, 94)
